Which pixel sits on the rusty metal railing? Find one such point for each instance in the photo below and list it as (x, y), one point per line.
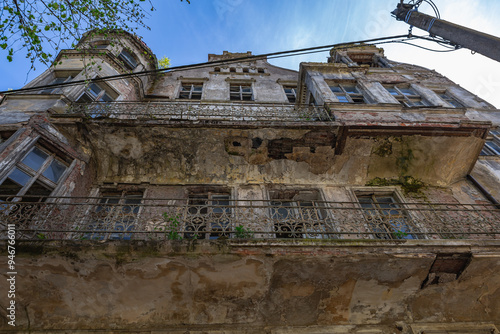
(197, 111)
(87, 218)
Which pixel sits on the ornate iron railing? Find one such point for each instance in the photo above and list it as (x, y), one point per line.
(197, 111)
(95, 218)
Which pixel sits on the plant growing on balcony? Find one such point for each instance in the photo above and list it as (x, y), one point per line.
(243, 233)
(172, 227)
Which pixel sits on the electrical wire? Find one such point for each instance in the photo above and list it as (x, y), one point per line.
(192, 66)
(422, 47)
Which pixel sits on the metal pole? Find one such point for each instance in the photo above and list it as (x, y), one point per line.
(487, 45)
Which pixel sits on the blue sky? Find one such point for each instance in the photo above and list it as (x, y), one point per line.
(187, 33)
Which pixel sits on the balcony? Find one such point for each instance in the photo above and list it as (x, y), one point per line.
(92, 218)
(199, 111)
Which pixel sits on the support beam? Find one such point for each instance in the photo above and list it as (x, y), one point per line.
(487, 45)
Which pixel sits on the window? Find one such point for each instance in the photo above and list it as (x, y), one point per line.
(115, 215)
(385, 217)
(128, 59)
(208, 215)
(240, 92)
(34, 177)
(407, 96)
(450, 99)
(58, 78)
(95, 93)
(347, 93)
(492, 144)
(232, 70)
(291, 93)
(191, 91)
(297, 214)
(246, 70)
(261, 70)
(53, 82)
(217, 69)
(101, 46)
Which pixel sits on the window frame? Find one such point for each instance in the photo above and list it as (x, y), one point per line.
(105, 92)
(408, 100)
(492, 144)
(192, 92)
(383, 220)
(291, 95)
(206, 202)
(116, 218)
(448, 98)
(59, 77)
(37, 175)
(298, 209)
(128, 59)
(240, 94)
(345, 95)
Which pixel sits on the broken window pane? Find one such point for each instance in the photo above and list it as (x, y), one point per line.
(9, 187)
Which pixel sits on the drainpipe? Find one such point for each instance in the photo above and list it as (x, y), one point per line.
(485, 192)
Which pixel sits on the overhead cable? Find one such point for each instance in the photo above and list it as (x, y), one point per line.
(198, 65)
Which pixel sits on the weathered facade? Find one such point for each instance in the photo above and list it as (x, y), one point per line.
(359, 195)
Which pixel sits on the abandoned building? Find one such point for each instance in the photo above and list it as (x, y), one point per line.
(358, 195)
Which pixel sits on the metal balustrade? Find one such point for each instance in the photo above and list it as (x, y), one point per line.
(198, 111)
(162, 219)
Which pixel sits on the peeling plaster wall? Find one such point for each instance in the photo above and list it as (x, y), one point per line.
(159, 155)
(267, 87)
(246, 285)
